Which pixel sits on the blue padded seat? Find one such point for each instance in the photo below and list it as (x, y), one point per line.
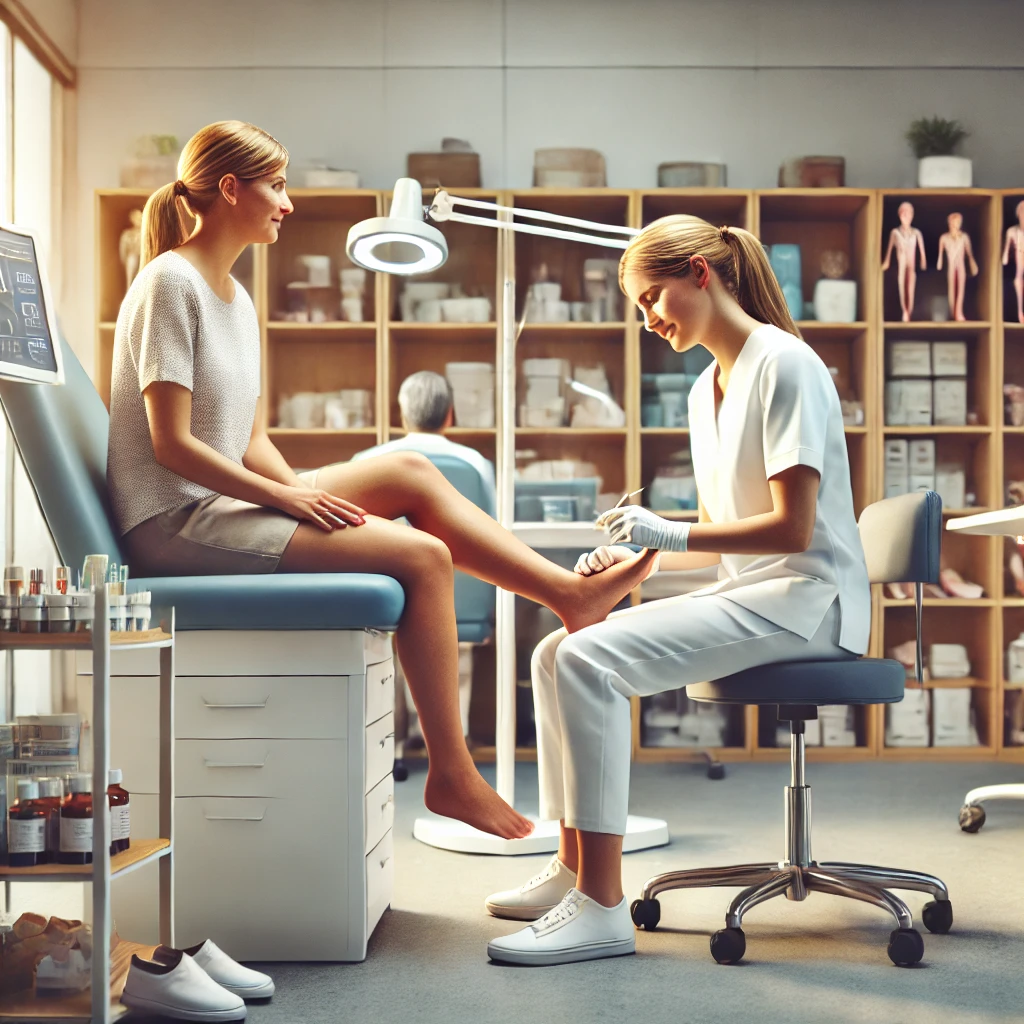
(808, 683)
(61, 433)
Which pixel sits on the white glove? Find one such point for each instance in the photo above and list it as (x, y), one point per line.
(591, 562)
(634, 524)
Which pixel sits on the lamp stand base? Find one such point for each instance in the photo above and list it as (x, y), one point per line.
(449, 834)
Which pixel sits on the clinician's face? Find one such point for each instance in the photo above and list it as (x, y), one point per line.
(676, 308)
(262, 204)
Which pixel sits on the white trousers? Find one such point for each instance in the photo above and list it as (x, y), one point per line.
(582, 684)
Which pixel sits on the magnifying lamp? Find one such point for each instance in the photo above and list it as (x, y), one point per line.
(405, 243)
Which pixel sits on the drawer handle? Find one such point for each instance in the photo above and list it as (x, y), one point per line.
(384, 742)
(230, 817)
(387, 803)
(384, 861)
(235, 764)
(266, 700)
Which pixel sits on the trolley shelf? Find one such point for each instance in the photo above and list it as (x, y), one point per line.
(141, 852)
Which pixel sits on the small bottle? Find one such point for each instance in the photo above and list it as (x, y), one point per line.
(26, 827)
(120, 814)
(14, 580)
(61, 578)
(51, 794)
(76, 820)
(37, 581)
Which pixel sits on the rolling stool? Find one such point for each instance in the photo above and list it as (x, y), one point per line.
(901, 539)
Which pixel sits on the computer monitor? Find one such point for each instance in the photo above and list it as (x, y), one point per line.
(29, 346)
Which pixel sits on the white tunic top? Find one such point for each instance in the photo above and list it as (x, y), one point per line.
(781, 409)
(173, 327)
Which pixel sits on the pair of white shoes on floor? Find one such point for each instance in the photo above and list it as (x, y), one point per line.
(199, 984)
(568, 926)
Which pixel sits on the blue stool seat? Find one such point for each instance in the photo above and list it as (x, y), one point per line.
(271, 601)
(813, 683)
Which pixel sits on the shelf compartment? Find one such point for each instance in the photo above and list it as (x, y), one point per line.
(717, 206)
(930, 212)
(1008, 218)
(973, 448)
(139, 854)
(329, 326)
(767, 725)
(444, 327)
(607, 450)
(142, 639)
(658, 450)
(314, 449)
(25, 1006)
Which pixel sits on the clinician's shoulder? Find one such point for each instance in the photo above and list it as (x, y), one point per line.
(785, 357)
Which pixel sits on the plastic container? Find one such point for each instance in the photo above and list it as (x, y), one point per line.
(32, 614)
(82, 605)
(9, 605)
(58, 612)
(558, 508)
(118, 800)
(118, 610)
(76, 820)
(14, 581)
(26, 827)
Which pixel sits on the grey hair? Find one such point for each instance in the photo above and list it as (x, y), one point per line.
(425, 399)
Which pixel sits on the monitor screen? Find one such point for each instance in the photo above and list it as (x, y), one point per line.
(28, 337)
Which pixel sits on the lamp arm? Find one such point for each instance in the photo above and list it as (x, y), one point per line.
(534, 229)
(442, 209)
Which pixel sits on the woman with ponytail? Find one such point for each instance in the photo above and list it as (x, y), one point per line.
(198, 487)
(775, 516)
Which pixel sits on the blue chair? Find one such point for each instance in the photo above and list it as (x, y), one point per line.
(61, 433)
(901, 538)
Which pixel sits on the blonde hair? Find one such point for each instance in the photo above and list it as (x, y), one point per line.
(664, 247)
(225, 147)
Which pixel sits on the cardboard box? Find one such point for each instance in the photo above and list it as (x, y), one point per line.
(897, 470)
(951, 484)
(906, 723)
(910, 359)
(920, 482)
(949, 401)
(922, 456)
(949, 358)
(951, 717)
(908, 403)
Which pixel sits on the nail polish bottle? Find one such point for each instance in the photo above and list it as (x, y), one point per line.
(76, 820)
(26, 827)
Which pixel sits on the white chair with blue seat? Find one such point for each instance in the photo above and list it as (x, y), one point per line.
(901, 539)
(315, 644)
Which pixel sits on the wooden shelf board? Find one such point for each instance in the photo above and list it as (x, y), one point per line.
(321, 432)
(571, 431)
(574, 327)
(815, 753)
(1013, 430)
(26, 1006)
(855, 430)
(107, 325)
(971, 431)
(981, 753)
(941, 602)
(452, 432)
(327, 327)
(1012, 602)
(937, 325)
(486, 754)
(664, 431)
(971, 682)
(655, 755)
(811, 327)
(141, 851)
(443, 326)
(81, 641)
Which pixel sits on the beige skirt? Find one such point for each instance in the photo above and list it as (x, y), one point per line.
(214, 536)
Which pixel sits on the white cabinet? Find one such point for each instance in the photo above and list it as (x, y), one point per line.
(284, 795)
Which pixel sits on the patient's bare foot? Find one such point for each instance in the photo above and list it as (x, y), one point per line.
(595, 596)
(462, 793)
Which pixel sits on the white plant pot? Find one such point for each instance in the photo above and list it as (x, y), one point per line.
(944, 172)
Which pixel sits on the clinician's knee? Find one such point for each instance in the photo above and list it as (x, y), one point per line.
(542, 661)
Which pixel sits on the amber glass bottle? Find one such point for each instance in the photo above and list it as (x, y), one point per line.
(76, 820)
(120, 819)
(51, 795)
(26, 827)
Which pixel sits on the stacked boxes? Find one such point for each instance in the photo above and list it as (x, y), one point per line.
(472, 387)
(544, 402)
(910, 467)
(927, 384)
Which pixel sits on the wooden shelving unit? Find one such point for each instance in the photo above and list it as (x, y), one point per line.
(381, 352)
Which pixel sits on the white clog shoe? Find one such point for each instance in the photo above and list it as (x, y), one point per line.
(577, 929)
(228, 973)
(540, 894)
(179, 988)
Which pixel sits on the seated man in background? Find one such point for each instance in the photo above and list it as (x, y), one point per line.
(425, 402)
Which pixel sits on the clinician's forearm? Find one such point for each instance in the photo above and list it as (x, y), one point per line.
(766, 534)
(263, 457)
(201, 464)
(676, 561)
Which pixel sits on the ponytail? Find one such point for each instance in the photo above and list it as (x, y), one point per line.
(664, 247)
(165, 223)
(225, 147)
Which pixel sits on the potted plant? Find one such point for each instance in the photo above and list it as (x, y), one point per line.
(934, 141)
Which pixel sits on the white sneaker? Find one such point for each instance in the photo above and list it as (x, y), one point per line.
(242, 981)
(540, 894)
(577, 929)
(179, 988)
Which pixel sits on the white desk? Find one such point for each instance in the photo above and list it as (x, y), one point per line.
(1005, 522)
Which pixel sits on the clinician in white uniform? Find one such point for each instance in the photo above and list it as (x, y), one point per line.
(775, 514)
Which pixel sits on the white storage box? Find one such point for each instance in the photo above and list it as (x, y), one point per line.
(951, 484)
(897, 470)
(910, 359)
(948, 661)
(949, 358)
(949, 401)
(906, 723)
(1015, 660)
(837, 726)
(951, 717)
(922, 456)
(908, 403)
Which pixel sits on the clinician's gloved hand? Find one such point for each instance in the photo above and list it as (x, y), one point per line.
(604, 557)
(634, 524)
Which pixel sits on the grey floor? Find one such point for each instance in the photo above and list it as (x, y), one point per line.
(820, 961)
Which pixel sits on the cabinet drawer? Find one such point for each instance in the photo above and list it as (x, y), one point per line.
(380, 750)
(377, 646)
(268, 877)
(380, 880)
(380, 811)
(279, 707)
(380, 690)
(260, 768)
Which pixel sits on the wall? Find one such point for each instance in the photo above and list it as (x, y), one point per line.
(361, 84)
(59, 20)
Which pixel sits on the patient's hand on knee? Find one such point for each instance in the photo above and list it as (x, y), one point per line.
(606, 556)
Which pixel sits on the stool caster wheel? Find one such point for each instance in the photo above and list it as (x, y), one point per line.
(906, 947)
(645, 914)
(972, 817)
(716, 770)
(728, 945)
(937, 916)
(400, 770)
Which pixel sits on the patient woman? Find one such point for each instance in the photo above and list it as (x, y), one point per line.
(198, 487)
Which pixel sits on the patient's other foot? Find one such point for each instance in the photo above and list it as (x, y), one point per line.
(463, 794)
(595, 596)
